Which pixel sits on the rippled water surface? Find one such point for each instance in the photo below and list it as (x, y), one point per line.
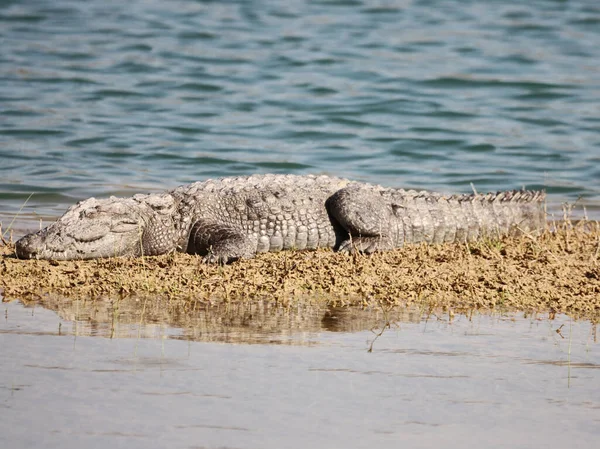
(100, 98)
(79, 374)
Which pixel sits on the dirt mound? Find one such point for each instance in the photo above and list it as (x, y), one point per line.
(558, 271)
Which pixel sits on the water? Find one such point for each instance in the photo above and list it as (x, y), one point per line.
(102, 98)
(114, 98)
(97, 375)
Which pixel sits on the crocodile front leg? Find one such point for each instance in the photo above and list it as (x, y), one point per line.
(219, 242)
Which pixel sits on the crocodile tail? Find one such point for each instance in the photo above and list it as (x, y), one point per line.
(432, 218)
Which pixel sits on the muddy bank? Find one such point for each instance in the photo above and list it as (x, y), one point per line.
(555, 272)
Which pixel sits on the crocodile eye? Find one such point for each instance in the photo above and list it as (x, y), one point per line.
(159, 203)
(89, 213)
(125, 226)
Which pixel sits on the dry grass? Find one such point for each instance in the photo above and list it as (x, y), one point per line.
(558, 271)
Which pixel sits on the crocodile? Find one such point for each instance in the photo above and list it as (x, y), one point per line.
(237, 217)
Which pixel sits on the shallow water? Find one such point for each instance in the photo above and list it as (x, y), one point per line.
(100, 374)
(124, 97)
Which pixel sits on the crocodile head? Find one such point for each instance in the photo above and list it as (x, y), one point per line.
(106, 228)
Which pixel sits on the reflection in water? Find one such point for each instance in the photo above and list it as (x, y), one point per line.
(255, 322)
(430, 380)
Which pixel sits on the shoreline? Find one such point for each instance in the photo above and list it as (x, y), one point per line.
(556, 272)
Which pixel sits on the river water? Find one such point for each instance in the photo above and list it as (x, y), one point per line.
(125, 374)
(114, 98)
(101, 98)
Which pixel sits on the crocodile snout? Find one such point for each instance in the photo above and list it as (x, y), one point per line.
(26, 247)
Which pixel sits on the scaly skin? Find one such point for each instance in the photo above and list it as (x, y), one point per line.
(232, 218)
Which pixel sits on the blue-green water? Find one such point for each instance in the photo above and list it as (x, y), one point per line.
(101, 98)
